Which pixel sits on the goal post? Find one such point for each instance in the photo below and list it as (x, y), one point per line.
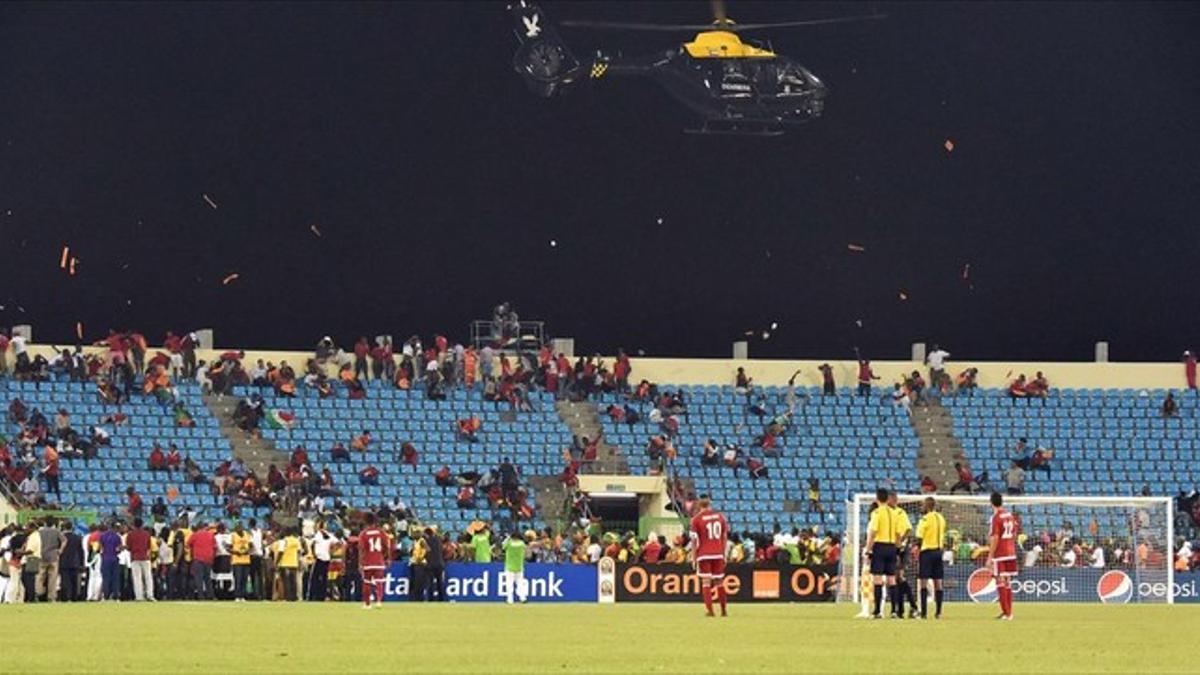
(1111, 550)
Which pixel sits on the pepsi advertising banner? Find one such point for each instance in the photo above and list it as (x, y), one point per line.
(1072, 584)
(486, 582)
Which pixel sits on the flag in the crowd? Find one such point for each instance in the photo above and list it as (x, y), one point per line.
(280, 419)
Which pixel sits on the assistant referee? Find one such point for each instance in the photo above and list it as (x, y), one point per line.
(932, 533)
(882, 536)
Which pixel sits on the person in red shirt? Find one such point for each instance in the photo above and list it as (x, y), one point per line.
(374, 553)
(622, 369)
(828, 388)
(708, 534)
(51, 470)
(865, 375)
(203, 546)
(134, 507)
(137, 542)
(1002, 553)
(1189, 369)
(652, 551)
(158, 461)
(361, 349)
(408, 455)
(369, 476)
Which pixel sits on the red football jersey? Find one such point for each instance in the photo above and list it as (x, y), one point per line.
(1005, 528)
(709, 530)
(374, 549)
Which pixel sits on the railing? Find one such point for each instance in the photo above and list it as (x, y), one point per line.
(519, 336)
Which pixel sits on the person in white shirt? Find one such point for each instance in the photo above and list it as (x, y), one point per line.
(318, 579)
(1032, 555)
(594, 550)
(1098, 556)
(20, 353)
(1068, 558)
(901, 400)
(256, 557)
(937, 367)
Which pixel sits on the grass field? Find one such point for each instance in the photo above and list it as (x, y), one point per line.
(633, 638)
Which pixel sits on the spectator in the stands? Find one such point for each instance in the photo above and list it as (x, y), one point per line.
(1040, 460)
(915, 384)
(275, 479)
(901, 398)
(828, 387)
(1016, 389)
(339, 453)
(50, 470)
(814, 495)
(408, 455)
(711, 456)
(369, 476)
(927, 485)
(133, 506)
(967, 380)
(443, 478)
(936, 359)
(466, 497)
(1170, 407)
(468, 428)
(361, 349)
(742, 382)
(1014, 479)
(756, 467)
(30, 490)
(361, 442)
(732, 457)
(865, 375)
(966, 480)
(158, 460)
(1189, 369)
(173, 458)
(1021, 455)
(1038, 387)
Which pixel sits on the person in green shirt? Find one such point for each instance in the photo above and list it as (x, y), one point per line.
(514, 567)
(481, 541)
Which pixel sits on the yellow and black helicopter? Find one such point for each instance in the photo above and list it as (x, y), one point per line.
(736, 87)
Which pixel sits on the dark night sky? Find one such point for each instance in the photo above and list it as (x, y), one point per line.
(437, 181)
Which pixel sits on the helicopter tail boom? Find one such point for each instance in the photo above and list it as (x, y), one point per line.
(543, 59)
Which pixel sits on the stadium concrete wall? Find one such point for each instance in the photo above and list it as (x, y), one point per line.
(777, 372)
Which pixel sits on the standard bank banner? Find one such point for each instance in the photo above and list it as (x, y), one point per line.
(484, 582)
(1072, 584)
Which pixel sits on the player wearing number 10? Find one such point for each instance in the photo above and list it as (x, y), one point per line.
(709, 531)
(374, 552)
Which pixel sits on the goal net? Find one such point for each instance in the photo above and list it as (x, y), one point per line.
(1070, 549)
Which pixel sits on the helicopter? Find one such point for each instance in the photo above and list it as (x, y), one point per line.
(735, 87)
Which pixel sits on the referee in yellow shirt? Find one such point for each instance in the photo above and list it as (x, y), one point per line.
(932, 533)
(882, 537)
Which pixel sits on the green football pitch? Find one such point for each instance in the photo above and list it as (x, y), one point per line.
(632, 638)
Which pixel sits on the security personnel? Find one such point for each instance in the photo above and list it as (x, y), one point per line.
(903, 530)
(931, 531)
(881, 549)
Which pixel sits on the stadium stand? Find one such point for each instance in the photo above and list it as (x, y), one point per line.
(100, 483)
(532, 440)
(846, 442)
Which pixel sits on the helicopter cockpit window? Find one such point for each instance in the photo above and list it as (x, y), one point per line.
(735, 82)
(791, 79)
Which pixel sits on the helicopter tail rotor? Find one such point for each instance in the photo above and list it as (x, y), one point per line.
(543, 59)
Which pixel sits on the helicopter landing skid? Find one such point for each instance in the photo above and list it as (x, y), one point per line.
(736, 128)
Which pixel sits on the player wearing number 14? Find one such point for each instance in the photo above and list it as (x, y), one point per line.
(374, 553)
(709, 531)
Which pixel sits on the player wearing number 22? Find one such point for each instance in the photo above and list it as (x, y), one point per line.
(374, 553)
(1002, 553)
(709, 531)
